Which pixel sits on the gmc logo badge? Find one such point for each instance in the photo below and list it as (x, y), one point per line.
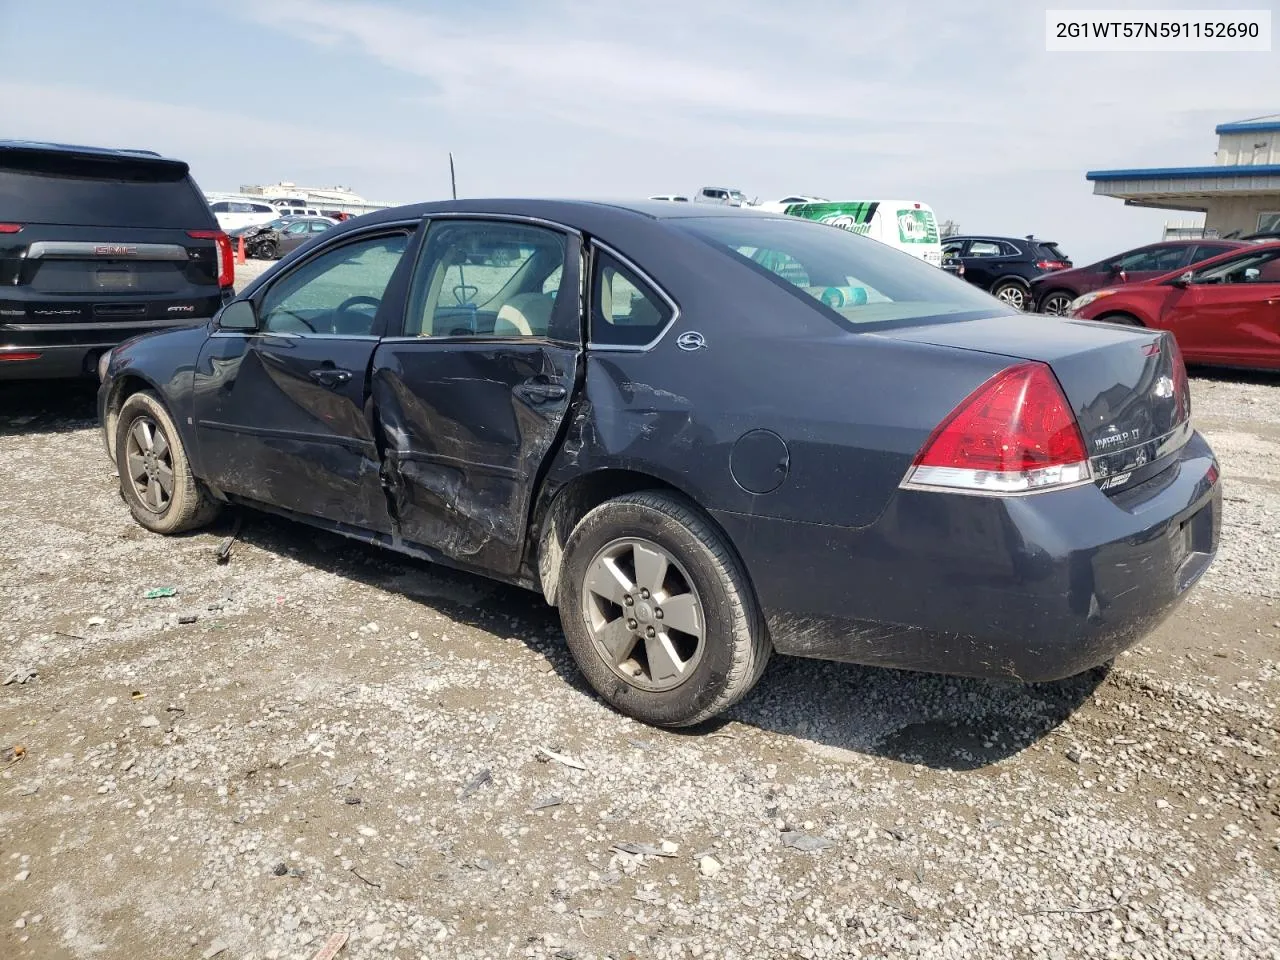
(114, 250)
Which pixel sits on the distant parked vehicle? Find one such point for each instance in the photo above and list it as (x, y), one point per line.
(1223, 312)
(725, 196)
(271, 241)
(1005, 266)
(672, 197)
(908, 225)
(235, 213)
(780, 206)
(97, 246)
(1052, 293)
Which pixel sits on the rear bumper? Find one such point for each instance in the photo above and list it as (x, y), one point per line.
(1031, 588)
(58, 362)
(62, 351)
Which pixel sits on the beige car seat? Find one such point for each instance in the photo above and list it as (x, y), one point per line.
(524, 315)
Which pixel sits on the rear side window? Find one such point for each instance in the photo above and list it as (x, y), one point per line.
(987, 248)
(625, 311)
(40, 188)
(853, 279)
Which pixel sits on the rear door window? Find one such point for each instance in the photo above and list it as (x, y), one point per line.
(45, 188)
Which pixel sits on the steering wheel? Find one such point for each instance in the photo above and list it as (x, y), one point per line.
(352, 302)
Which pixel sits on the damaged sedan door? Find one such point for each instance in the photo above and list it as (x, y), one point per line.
(282, 397)
(472, 395)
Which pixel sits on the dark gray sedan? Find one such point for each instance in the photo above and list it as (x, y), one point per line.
(704, 433)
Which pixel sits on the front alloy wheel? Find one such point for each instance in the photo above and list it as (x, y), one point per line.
(150, 461)
(155, 476)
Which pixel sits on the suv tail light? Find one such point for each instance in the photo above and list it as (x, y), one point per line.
(226, 259)
(1051, 264)
(10, 228)
(1014, 434)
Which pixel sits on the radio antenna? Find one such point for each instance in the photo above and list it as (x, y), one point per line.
(453, 179)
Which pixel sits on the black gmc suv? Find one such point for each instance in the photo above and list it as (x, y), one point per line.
(96, 246)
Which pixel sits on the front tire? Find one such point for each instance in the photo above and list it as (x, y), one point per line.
(1012, 292)
(155, 474)
(658, 612)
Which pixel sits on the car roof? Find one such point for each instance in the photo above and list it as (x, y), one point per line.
(87, 152)
(581, 214)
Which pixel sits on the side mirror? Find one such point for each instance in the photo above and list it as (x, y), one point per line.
(238, 315)
(1123, 276)
(1183, 280)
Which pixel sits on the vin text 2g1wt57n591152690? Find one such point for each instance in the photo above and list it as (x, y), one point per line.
(703, 433)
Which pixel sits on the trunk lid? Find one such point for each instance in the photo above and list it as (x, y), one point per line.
(1127, 387)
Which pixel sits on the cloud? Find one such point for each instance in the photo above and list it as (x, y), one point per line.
(206, 137)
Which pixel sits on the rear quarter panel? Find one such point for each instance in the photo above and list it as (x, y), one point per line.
(853, 409)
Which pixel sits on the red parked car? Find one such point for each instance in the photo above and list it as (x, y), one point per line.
(1052, 293)
(1225, 311)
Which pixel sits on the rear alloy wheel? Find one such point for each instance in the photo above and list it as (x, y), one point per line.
(658, 612)
(1012, 293)
(1057, 303)
(155, 476)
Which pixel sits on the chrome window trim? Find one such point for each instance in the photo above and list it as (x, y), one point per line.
(653, 285)
(509, 217)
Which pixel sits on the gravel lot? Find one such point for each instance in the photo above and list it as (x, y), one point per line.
(320, 737)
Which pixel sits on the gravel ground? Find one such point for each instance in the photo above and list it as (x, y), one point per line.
(320, 737)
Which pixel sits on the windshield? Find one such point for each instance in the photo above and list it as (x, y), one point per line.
(854, 279)
(737, 195)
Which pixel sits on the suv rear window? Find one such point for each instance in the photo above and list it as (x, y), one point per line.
(40, 188)
(854, 279)
(1050, 251)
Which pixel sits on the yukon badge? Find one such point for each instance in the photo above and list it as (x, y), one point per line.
(1163, 388)
(691, 340)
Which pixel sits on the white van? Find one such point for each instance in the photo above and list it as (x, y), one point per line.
(234, 212)
(908, 225)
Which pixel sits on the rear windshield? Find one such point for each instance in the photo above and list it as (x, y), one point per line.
(855, 279)
(43, 189)
(1051, 251)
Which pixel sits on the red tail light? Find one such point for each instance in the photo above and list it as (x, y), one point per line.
(1051, 264)
(1181, 385)
(10, 227)
(226, 259)
(1014, 434)
(19, 356)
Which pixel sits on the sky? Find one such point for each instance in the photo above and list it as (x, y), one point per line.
(955, 104)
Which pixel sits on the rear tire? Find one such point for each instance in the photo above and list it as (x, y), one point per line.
(1056, 303)
(1012, 292)
(155, 475)
(1120, 319)
(625, 561)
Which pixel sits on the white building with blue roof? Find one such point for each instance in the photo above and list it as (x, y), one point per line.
(1239, 194)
